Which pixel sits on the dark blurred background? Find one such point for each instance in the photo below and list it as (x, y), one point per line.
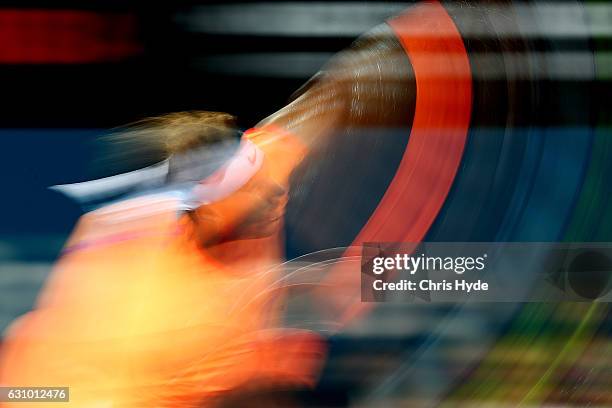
(72, 70)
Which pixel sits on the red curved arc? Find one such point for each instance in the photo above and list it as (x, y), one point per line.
(433, 153)
(439, 131)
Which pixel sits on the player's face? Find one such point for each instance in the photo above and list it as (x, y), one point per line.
(254, 211)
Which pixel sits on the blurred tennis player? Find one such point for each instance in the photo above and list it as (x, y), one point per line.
(156, 299)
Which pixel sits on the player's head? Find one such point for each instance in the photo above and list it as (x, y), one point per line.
(171, 137)
(233, 197)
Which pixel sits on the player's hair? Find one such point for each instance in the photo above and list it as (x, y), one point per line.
(157, 138)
